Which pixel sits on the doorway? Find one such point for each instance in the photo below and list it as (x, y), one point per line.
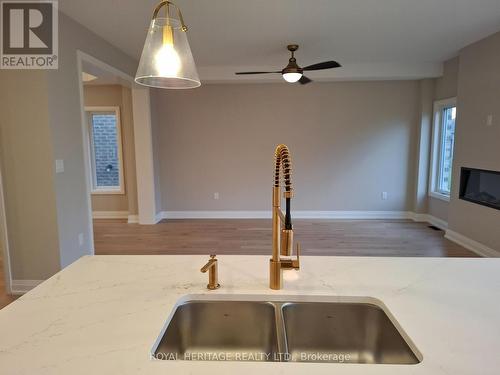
(109, 144)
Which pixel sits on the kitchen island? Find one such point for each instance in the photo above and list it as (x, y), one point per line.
(102, 314)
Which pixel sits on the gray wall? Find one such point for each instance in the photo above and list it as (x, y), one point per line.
(447, 86)
(118, 96)
(349, 142)
(65, 123)
(28, 174)
(423, 142)
(476, 144)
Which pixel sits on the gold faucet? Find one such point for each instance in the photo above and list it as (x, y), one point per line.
(282, 223)
(211, 266)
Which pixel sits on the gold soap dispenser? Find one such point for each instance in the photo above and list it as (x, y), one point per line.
(211, 267)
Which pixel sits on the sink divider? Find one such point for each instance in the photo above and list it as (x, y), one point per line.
(280, 332)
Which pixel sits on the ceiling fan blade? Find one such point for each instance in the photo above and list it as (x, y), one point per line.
(241, 73)
(304, 80)
(323, 65)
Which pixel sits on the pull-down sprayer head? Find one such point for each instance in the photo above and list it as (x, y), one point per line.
(283, 163)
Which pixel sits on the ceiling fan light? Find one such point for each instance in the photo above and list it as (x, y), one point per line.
(292, 77)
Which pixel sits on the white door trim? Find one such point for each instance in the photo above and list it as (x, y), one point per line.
(144, 158)
(136, 103)
(4, 240)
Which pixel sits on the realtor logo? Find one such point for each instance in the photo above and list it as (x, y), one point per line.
(29, 35)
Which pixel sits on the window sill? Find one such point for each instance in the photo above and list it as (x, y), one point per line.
(107, 192)
(440, 196)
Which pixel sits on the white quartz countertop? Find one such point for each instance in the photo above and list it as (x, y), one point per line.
(102, 314)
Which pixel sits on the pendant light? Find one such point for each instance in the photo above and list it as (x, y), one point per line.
(166, 60)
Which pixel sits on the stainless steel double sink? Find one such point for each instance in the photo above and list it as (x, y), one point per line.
(344, 331)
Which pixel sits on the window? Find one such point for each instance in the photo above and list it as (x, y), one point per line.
(443, 139)
(105, 150)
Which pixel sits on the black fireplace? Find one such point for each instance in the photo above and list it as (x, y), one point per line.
(480, 186)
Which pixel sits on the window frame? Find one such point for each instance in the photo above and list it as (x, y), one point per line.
(89, 110)
(436, 147)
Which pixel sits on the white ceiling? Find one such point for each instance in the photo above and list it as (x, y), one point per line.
(372, 39)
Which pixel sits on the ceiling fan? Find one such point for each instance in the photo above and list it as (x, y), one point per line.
(294, 73)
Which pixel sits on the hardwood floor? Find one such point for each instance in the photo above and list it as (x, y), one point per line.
(317, 237)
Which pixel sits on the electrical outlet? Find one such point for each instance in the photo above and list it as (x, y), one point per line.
(489, 120)
(80, 239)
(59, 166)
(384, 195)
(216, 195)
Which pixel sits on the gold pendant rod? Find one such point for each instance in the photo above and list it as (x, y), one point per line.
(166, 3)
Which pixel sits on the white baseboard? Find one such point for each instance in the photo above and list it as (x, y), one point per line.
(19, 287)
(133, 219)
(456, 237)
(437, 222)
(215, 214)
(345, 215)
(351, 215)
(471, 244)
(110, 214)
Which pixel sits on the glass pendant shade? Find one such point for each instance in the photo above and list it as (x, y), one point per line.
(166, 60)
